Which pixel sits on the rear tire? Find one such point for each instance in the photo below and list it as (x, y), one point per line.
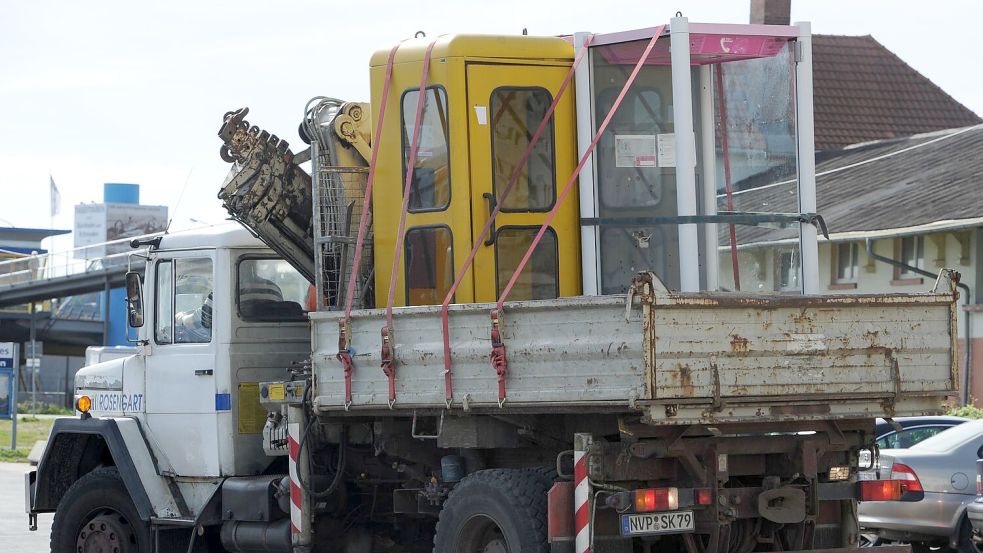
(95, 514)
(495, 511)
(964, 543)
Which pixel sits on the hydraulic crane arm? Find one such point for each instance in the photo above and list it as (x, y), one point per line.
(267, 191)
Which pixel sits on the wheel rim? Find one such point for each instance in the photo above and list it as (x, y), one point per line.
(481, 534)
(105, 531)
(868, 540)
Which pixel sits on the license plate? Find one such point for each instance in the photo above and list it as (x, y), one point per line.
(657, 523)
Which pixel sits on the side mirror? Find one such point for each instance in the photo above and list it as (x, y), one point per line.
(134, 299)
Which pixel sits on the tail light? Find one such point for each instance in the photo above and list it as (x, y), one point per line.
(880, 490)
(659, 499)
(979, 477)
(656, 499)
(909, 480)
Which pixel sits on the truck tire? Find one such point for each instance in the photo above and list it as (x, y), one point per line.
(494, 511)
(97, 514)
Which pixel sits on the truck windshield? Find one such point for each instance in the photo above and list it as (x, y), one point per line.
(269, 289)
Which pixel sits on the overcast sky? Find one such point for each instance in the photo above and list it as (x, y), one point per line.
(129, 91)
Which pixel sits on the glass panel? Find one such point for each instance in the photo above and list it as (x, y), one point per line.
(756, 167)
(270, 290)
(627, 158)
(628, 250)
(787, 271)
(540, 276)
(193, 301)
(429, 265)
(431, 186)
(635, 167)
(165, 303)
(515, 116)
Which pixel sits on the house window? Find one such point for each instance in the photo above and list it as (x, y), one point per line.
(909, 250)
(787, 271)
(845, 261)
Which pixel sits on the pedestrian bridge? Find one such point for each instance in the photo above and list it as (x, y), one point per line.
(98, 267)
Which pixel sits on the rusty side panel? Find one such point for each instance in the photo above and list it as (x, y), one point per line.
(803, 348)
(679, 359)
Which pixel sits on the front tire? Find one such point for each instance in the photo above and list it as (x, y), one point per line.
(97, 514)
(495, 511)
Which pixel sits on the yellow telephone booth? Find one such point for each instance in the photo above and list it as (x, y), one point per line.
(485, 98)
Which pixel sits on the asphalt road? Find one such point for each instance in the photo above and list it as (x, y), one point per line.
(14, 535)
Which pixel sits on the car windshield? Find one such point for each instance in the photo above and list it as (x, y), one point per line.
(953, 437)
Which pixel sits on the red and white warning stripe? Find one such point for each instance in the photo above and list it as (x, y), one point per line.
(296, 513)
(581, 501)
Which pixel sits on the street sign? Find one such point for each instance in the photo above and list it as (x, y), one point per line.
(6, 393)
(35, 352)
(6, 355)
(8, 397)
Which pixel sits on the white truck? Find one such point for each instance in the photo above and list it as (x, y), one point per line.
(624, 401)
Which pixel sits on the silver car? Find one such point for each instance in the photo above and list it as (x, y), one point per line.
(975, 509)
(938, 482)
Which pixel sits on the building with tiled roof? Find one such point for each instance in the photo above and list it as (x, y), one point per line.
(864, 92)
(914, 201)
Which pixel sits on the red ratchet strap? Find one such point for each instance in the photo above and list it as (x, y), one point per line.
(725, 145)
(496, 313)
(344, 325)
(448, 385)
(498, 359)
(388, 358)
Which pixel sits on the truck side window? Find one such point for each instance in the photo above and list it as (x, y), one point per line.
(429, 265)
(184, 301)
(431, 186)
(270, 289)
(516, 113)
(163, 326)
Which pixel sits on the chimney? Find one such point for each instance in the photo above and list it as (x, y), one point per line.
(771, 12)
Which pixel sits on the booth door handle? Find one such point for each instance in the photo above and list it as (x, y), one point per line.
(203, 372)
(492, 202)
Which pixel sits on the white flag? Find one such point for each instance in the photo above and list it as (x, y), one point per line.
(55, 197)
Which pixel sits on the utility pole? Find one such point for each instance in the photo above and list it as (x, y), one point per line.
(13, 399)
(36, 363)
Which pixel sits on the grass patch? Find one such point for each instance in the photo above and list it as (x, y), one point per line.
(24, 407)
(29, 430)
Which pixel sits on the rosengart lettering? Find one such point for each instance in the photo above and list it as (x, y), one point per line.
(118, 402)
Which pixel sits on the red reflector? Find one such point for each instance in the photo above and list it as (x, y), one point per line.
(703, 496)
(656, 499)
(880, 490)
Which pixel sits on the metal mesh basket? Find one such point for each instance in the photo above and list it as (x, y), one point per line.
(339, 193)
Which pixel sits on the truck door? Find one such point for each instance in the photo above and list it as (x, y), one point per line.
(182, 403)
(506, 105)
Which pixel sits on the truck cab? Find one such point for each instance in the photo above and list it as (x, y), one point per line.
(220, 313)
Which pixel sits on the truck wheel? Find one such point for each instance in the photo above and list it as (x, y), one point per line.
(97, 514)
(494, 511)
